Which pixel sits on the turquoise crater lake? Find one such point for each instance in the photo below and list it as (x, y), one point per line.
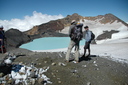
(49, 43)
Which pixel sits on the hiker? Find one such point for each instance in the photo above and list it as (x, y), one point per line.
(2, 38)
(88, 36)
(75, 34)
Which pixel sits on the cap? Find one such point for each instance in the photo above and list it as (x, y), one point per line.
(86, 27)
(73, 21)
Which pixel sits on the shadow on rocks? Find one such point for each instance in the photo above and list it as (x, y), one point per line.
(5, 69)
(87, 58)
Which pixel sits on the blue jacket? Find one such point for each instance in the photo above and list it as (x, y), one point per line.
(2, 35)
(87, 35)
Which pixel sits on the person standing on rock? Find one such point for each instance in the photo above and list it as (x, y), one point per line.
(75, 34)
(2, 38)
(88, 36)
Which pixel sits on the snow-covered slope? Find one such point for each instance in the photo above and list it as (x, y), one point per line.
(98, 28)
(116, 47)
(112, 49)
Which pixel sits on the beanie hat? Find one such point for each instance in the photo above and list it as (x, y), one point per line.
(86, 27)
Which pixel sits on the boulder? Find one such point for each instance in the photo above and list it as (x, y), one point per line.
(15, 38)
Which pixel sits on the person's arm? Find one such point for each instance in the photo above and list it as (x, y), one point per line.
(1, 35)
(70, 30)
(84, 34)
(1, 40)
(90, 39)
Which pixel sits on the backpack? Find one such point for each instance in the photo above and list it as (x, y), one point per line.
(76, 34)
(92, 36)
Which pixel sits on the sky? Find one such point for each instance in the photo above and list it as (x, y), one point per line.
(16, 13)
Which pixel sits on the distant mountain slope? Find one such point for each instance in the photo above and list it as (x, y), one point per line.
(53, 26)
(107, 18)
(101, 25)
(62, 25)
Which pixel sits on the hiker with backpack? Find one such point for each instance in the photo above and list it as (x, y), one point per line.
(75, 34)
(88, 36)
(2, 38)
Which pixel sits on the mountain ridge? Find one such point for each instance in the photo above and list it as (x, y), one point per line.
(60, 24)
(107, 18)
(55, 28)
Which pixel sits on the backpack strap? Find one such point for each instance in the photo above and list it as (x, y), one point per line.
(92, 35)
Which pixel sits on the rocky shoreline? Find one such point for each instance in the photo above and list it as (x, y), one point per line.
(92, 71)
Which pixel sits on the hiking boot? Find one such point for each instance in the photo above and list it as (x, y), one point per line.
(83, 56)
(67, 61)
(75, 61)
(87, 55)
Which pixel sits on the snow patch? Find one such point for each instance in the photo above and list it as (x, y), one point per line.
(97, 27)
(117, 49)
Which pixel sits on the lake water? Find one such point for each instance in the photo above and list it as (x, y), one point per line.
(49, 43)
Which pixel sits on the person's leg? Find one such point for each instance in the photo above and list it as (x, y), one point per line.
(84, 52)
(85, 47)
(71, 45)
(77, 54)
(89, 51)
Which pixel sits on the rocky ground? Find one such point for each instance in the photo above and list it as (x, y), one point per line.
(92, 71)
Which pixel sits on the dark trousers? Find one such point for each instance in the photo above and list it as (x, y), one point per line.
(87, 46)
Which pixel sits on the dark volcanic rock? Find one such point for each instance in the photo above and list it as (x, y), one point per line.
(15, 38)
(106, 35)
(96, 70)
